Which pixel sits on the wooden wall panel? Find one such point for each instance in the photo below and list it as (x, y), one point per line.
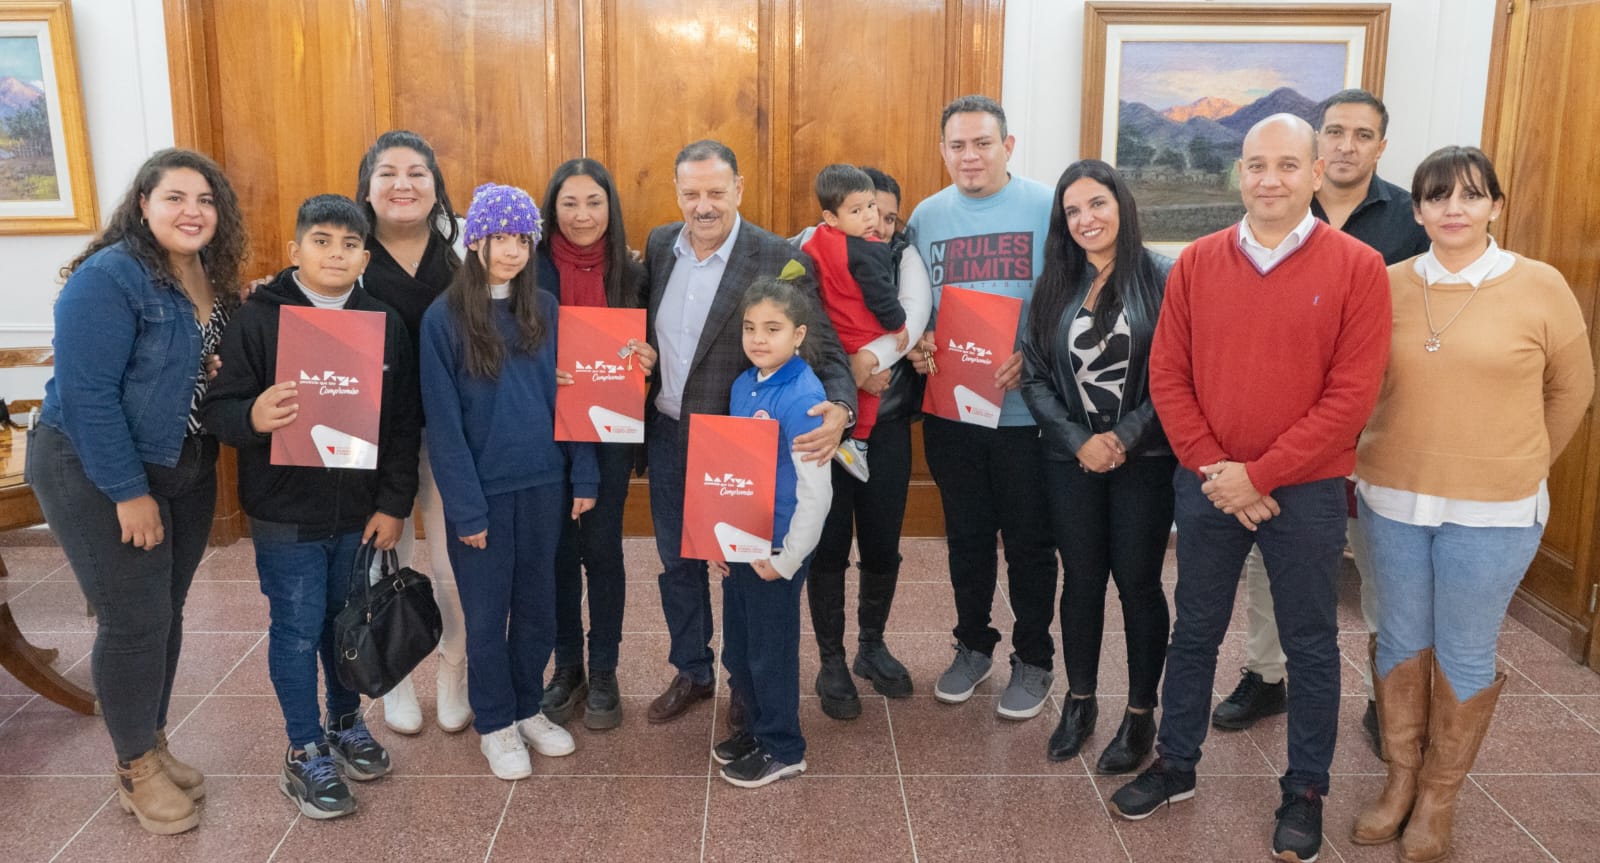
(1542, 127)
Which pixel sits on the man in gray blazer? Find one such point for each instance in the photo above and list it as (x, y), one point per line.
(698, 272)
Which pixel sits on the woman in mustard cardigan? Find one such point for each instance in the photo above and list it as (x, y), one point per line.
(1489, 375)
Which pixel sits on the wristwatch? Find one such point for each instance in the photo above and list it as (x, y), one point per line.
(850, 413)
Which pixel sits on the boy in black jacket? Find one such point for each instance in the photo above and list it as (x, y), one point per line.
(307, 523)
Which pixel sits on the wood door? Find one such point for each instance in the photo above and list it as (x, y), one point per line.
(1542, 128)
(287, 96)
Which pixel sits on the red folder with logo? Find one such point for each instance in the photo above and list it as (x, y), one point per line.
(605, 402)
(337, 358)
(975, 334)
(728, 486)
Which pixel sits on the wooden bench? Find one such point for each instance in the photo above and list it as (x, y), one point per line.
(18, 509)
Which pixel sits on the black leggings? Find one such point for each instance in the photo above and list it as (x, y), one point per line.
(137, 595)
(872, 513)
(1118, 522)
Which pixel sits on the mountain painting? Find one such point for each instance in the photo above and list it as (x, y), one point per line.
(27, 153)
(1183, 109)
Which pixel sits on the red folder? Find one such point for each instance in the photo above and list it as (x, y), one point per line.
(975, 334)
(337, 357)
(605, 403)
(728, 485)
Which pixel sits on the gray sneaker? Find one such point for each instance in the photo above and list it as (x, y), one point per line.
(1025, 695)
(969, 669)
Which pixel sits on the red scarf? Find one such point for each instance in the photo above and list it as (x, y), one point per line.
(582, 270)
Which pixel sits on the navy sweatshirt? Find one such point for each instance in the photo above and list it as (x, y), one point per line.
(492, 436)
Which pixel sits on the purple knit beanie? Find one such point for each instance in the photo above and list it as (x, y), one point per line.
(500, 209)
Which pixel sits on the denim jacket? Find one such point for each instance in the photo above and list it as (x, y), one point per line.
(127, 352)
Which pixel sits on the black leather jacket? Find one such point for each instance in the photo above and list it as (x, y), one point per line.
(1051, 390)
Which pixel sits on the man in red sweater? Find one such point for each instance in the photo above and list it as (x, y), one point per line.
(1266, 363)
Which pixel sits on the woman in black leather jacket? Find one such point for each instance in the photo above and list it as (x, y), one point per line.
(1108, 467)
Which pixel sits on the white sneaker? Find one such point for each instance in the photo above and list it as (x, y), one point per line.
(852, 456)
(455, 712)
(546, 737)
(401, 713)
(508, 757)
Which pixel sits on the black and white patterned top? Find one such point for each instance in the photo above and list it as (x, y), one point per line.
(1101, 366)
(210, 337)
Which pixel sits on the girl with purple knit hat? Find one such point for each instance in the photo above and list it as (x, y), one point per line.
(488, 359)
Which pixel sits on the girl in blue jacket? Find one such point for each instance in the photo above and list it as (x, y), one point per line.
(488, 388)
(761, 600)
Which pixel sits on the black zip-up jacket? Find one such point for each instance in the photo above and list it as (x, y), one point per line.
(1050, 388)
(322, 502)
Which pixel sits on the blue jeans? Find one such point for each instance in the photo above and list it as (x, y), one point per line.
(593, 544)
(1447, 588)
(306, 583)
(685, 588)
(508, 594)
(1303, 547)
(761, 650)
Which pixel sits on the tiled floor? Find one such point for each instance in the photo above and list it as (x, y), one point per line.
(910, 780)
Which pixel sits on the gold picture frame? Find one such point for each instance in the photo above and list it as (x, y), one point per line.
(1171, 88)
(46, 173)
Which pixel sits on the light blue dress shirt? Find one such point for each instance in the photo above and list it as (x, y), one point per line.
(682, 316)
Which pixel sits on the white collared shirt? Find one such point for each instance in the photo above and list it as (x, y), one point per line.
(1426, 510)
(681, 318)
(1264, 258)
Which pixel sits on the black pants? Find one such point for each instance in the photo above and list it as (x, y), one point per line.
(871, 513)
(593, 544)
(991, 481)
(137, 595)
(1119, 522)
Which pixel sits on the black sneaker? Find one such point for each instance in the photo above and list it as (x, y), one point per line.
(564, 693)
(311, 781)
(602, 709)
(351, 744)
(1298, 838)
(1252, 700)
(1369, 724)
(1157, 786)
(837, 690)
(760, 768)
(874, 662)
(742, 743)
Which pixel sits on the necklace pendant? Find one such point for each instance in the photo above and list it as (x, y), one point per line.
(1431, 345)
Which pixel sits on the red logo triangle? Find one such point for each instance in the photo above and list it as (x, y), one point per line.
(733, 547)
(968, 408)
(330, 450)
(608, 428)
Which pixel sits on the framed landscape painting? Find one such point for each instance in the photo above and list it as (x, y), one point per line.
(46, 180)
(1170, 89)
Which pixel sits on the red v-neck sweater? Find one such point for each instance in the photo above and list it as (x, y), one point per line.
(1277, 371)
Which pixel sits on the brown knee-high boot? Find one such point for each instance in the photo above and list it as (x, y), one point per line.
(1455, 731)
(1403, 696)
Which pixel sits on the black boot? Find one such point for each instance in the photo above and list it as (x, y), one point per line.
(1077, 723)
(564, 694)
(1130, 746)
(837, 690)
(603, 708)
(874, 662)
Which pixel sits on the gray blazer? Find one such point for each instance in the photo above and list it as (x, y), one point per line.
(719, 358)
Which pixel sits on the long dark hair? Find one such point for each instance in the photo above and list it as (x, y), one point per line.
(222, 257)
(482, 350)
(616, 239)
(442, 218)
(786, 296)
(1134, 281)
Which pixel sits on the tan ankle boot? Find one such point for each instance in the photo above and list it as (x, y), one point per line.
(191, 781)
(1403, 696)
(146, 792)
(1455, 731)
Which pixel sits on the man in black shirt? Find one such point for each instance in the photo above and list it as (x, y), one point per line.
(1354, 199)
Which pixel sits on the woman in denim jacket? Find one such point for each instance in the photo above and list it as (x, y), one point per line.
(122, 468)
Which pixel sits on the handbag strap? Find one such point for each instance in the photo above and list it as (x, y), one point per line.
(361, 574)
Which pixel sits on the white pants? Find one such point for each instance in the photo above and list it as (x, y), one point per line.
(1263, 654)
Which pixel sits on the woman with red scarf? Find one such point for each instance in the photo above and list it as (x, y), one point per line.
(584, 260)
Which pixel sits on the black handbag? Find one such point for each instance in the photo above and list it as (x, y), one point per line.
(386, 629)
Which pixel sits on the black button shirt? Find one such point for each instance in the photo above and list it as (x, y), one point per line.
(1384, 221)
